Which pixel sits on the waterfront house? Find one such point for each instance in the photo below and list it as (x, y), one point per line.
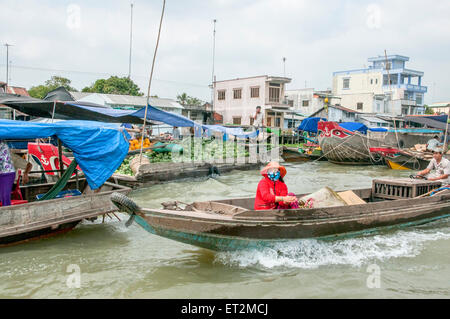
(440, 108)
(6, 112)
(386, 86)
(308, 101)
(236, 100)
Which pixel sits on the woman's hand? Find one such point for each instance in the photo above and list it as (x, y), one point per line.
(289, 199)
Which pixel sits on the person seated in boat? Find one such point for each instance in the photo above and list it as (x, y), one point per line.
(8, 164)
(272, 192)
(433, 143)
(440, 165)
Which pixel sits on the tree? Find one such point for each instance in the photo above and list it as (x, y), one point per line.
(185, 99)
(428, 110)
(55, 82)
(115, 85)
(182, 99)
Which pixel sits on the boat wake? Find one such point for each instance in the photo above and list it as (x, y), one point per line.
(311, 253)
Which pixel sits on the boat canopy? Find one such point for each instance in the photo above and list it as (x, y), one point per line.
(310, 124)
(354, 126)
(98, 148)
(78, 110)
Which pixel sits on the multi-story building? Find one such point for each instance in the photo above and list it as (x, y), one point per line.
(236, 100)
(309, 101)
(387, 86)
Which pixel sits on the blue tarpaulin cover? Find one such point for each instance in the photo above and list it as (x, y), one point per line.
(98, 148)
(310, 124)
(353, 126)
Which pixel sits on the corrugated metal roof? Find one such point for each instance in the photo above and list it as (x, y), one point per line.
(442, 104)
(18, 90)
(373, 119)
(129, 100)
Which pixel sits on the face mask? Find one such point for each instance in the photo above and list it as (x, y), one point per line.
(274, 176)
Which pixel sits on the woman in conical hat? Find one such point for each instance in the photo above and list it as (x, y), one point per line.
(272, 192)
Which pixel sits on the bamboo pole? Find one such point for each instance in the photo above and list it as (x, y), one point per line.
(150, 81)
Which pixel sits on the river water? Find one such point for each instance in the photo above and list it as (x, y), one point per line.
(118, 262)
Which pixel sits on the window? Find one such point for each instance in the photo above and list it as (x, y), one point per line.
(419, 99)
(236, 120)
(291, 103)
(254, 92)
(237, 94)
(278, 122)
(359, 106)
(252, 120)
(221, 95)
(275, 84)
(346, 84)
(371, 81)
(305, 103)
(376, 81)
(274, 94)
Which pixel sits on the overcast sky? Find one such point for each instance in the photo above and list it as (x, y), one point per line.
(86, 40)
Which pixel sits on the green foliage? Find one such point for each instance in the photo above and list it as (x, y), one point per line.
(55, 82)
(185, 99)
(428, 110)
(115, 85)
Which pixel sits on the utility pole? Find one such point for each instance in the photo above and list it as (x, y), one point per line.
(131, 41)
(7, 64)
(213, 65)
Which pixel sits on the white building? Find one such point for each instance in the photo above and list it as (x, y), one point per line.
(385, 87)
(236, 100)
(309, 101)
(440, 108)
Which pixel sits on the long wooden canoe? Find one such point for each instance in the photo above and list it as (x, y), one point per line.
(40, 219)
(232, 224)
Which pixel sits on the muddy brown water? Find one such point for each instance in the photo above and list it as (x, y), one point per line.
(118, 262)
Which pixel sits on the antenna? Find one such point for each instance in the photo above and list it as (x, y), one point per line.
(284, 66)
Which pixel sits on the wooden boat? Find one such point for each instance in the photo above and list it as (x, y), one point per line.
(98, 148)
(232, 224)
(299, 154)
(404, 159)
(40, 219)
(401, 159)
(342, 146)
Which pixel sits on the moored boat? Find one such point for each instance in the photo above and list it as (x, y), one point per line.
(233, 224)
(48, 209)
(350, 143)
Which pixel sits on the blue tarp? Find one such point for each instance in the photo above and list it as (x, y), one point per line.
(310, 124)
(99, 148)
(353, 126)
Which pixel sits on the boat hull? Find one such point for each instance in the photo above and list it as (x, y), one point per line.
(42, 219)
(257, 229)
(341, 146)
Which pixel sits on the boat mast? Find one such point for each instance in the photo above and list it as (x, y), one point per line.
(150, 82)
(390, 94)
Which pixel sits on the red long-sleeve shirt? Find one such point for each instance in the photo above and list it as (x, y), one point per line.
(266, 193)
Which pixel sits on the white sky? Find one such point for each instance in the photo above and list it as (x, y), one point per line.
(317, 38)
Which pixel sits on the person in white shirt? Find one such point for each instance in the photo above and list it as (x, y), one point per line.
(440, 165)
(433, 143)
(258, 118)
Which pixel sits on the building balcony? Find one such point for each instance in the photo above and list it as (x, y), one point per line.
(408, 102)
(407, 87)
